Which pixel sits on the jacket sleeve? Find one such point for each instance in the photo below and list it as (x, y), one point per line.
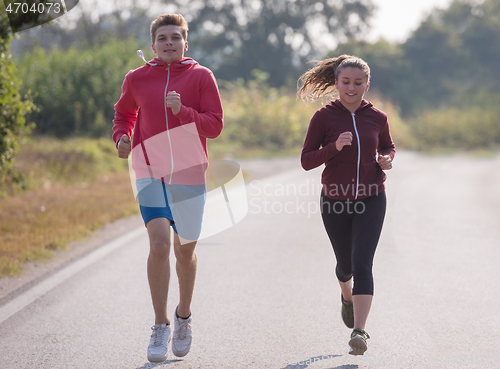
(209, 120)
(125, 111)
(313, 155)
(385, 144)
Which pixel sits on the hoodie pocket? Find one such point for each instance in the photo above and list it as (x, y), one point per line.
(345, 173)
(341, 181)
(371, 176)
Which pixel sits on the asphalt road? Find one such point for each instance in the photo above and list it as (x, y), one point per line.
(266, 294)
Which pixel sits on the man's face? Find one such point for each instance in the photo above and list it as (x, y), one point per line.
(169, 44)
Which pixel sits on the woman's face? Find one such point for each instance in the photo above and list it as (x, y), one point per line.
(352, 83)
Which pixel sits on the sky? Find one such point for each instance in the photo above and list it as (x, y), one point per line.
(395, 20)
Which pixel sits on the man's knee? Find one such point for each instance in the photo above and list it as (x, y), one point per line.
(159, 248)
(185, 253)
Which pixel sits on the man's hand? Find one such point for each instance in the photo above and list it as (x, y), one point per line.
(385, 162)
(174, 102)
(124, 147)
(343, 140)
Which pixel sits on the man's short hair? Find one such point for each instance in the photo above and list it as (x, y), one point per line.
(167, 20)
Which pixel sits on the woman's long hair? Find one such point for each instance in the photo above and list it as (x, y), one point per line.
(318, 83)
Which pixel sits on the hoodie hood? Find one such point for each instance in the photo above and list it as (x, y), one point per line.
(172, 69)
(183, 61)
(155, 62)
(337, 104)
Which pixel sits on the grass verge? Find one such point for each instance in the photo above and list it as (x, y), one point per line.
(35, 223)
(63, 190)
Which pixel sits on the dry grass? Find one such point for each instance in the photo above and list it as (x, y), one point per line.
(47, 160)
(35, 223)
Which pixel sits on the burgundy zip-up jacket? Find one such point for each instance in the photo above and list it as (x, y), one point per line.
(352, 173)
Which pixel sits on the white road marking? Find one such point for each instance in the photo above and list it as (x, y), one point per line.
(26, 298)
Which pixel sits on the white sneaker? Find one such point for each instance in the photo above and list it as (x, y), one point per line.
(182, 337)
(157, 349)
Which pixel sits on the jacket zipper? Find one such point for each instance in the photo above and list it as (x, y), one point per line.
(359, 154)
(166, 119)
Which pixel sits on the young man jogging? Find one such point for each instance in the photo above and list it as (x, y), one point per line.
(171, 105)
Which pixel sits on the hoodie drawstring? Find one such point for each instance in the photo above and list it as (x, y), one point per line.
(141, 55)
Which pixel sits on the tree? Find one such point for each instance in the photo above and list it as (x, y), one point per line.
(451, 59)
(454, 54)
(480, 37)
(276, 36)
(31, 13)
(391, 73)
(438, 57)
(13, 106)
(85, 28)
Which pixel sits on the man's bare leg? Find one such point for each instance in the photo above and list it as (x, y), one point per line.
(186, 265)
(159, 266)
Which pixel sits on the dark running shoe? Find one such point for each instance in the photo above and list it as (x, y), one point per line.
(358, 342)
(347, 312)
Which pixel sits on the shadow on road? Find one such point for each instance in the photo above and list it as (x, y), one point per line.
(154, 365)
(303, 364)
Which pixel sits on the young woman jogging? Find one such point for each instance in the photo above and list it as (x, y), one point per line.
(352, 138)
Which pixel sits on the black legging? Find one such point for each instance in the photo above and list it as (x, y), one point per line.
(354, 228)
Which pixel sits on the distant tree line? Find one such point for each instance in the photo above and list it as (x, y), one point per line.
(232, 37)
(448, 63)
(279, 37)
(75, 74)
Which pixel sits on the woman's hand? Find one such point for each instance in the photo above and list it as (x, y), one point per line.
(343, 140)
(385, 162)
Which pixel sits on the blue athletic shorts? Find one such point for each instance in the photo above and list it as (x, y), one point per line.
(183, 205)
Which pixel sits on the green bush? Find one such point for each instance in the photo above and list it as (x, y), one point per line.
(257, 116)
(400, 130)
(265, 120)
(75, 90)
(13, 105)
(45, 160)
(472, 128)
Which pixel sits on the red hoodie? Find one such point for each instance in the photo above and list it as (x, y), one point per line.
(164, 141)
(353, 172)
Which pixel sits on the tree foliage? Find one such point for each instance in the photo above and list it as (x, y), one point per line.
(391, 72)
(13, 106)
(77, 97)
(85, 28)
(231, 37)
(451, 59)
(257, 115)
(30, 13)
